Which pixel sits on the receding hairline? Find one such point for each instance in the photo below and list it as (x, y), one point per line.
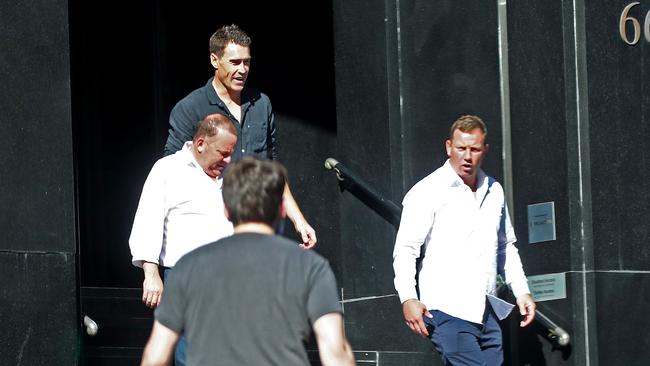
(212, 124)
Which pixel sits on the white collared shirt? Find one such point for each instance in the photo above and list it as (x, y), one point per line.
(180, 209)
(465, 238)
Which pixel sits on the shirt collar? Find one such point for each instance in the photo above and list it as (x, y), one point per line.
(482, 181)
(186, 153)
(215, 100)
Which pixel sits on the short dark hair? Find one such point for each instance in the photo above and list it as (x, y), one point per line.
(211, 125)
(468, 123)
(228, 34)
(252, 190)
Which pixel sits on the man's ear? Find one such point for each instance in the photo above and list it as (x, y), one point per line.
(214, 60)
(200, 144)
(448, 147)
(487, 148)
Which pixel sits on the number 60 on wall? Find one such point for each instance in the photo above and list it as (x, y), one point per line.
(622, 25)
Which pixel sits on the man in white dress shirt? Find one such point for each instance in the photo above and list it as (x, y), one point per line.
(458, 219)
(181, 207)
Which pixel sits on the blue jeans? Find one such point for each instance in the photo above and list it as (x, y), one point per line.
(460, 342)
(179, 354)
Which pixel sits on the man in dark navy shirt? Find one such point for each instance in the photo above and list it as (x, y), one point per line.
(248, 109)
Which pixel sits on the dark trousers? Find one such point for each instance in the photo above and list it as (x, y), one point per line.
(179, 354)
(460, 342)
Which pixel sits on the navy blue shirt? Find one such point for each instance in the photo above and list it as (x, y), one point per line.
(255, 133)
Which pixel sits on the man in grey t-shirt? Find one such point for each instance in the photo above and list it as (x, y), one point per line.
(253, 298)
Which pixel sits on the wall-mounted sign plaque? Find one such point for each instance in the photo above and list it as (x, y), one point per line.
(546, 287)
(541, 222)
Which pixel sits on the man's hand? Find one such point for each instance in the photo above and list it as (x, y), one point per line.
(527, 308)
(307, 234)
(413, 311)
(152, 287)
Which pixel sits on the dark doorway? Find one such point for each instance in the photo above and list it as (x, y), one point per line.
(130, 63)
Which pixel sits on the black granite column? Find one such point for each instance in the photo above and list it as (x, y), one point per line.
(541, 154)
(618, 92)
(579, 103)
(38, 289)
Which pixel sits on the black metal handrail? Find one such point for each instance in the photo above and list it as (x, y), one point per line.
(392, 212)
(349, 181)
(556, 333)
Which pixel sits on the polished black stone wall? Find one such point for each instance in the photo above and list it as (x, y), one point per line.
(38, 292)
(536, 63)
(364, 89)
(579, 103)
(446, 70)
(538, 127)
(619, 103)
(619, 128)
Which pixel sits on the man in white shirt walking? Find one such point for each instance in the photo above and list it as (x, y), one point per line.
(181, 206)
(458, 218)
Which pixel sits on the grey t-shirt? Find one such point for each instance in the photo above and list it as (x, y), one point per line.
(248, 299)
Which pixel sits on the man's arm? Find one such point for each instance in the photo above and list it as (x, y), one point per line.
(333, 347)
(415, 224)
(160, 347)
(510, 265)
(146, 239)
(307, 233)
